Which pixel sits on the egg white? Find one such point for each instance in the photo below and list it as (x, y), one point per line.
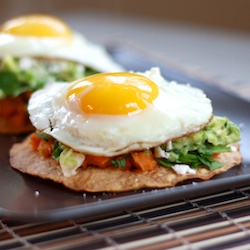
(178, 110)
(77, 48)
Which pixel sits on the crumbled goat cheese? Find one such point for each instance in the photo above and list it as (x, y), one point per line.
(25, 63)
(233, 148)
(169, 145)
(160, 153)
(183, 169)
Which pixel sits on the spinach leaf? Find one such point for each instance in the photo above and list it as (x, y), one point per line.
(209, 162)
(208, 149)
(120, 163)
(9, 84)
(57, 150)
(164, 162)
(43, 136)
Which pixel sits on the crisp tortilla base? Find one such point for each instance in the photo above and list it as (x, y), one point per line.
(109, 179)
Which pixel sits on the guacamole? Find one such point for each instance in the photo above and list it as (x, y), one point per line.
(19, 75)
(198, 148)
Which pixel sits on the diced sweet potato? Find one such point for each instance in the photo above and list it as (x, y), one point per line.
(144, 160)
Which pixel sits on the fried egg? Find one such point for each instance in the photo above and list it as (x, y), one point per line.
(47, 36)
(110, 114)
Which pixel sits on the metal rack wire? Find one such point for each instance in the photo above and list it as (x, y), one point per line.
(216, 221)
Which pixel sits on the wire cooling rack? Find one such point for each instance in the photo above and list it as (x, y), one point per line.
(216, 221)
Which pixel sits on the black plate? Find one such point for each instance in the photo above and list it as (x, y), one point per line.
(29, 198)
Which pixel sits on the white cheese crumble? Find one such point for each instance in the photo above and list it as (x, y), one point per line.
(183, 169)
(169, 145)
(160, 153)
(25, 63)
(233, 148)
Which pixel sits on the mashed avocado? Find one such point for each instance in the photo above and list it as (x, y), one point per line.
(198, 148)
(19, 75)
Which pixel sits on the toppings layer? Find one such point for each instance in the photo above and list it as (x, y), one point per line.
(20, 75)
(183, 154)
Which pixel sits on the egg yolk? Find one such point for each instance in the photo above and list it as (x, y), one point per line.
(113, 93)
(36, 25)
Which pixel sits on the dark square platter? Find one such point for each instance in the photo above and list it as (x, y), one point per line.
(28, 198)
